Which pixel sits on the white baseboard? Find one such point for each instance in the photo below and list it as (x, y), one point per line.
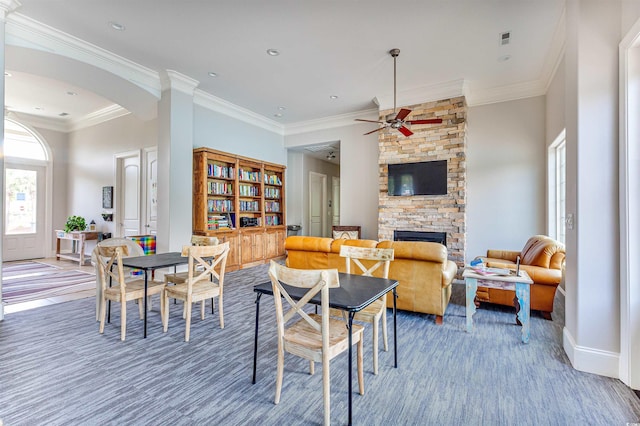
(589, 360)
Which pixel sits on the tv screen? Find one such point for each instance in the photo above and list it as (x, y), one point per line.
(426, 178)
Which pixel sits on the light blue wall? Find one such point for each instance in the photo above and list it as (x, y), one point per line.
(217, 131)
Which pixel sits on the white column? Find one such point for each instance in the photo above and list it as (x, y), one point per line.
(592, 327)
(6, 6)
(175, 161)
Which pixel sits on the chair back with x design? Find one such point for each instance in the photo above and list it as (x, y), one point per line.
(382, 257)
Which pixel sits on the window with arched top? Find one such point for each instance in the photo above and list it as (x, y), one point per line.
(20, 142)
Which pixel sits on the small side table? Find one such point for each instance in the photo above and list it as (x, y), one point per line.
(78, 237)
(521, 284)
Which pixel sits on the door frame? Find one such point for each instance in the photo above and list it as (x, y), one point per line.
(26, 164)
(323, 203)
(117, 205)
(146, 228)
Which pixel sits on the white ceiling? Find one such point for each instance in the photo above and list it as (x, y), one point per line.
(327, 47)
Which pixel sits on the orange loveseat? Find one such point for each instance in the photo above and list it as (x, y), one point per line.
(423, 270)
(543, 259)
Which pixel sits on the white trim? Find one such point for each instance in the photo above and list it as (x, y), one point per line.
(629, 131)
(423, 94)
(511, 92)
(97, 117)
(603, 363)
(330, 122)
(171, 79)
(556, 51)
(27, 32)
(229, 109)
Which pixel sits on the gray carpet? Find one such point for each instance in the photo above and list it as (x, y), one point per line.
(56, 369)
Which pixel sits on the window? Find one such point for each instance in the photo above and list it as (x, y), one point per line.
(21, 143)
(557, 188)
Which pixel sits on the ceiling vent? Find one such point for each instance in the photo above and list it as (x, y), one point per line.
(505, 38)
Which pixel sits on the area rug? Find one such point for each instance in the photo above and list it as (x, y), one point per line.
(45, 284)
(13, 269)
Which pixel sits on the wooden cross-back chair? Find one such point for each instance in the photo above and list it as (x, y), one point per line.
(196, 240)
(203, 282)
(317, 338)
(109, 260)
(374, 258)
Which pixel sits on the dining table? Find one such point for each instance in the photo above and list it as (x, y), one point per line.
(150, 263)
(355, 293)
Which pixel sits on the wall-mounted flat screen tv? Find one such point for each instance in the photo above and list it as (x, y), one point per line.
(425, 178)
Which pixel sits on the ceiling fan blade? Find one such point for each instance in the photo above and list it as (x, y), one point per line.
(402, 114)
(373, 131)
(367, 121)
(427, 121)
(405, 131)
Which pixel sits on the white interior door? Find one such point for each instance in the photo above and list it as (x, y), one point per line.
(317, 204)
(335, 197)
(151, 191)
(128, 206)
(24, 212)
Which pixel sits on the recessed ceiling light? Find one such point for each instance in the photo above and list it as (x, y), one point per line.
(278, 115)
(504, 58)
(70, 93)
(7, 74)
(333, 97)
(116, 26)
(63, 114)
(39, 108)
(281, 108)
(212, 74)
(273, 52)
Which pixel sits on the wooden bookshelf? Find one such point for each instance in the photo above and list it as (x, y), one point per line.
(240, 200)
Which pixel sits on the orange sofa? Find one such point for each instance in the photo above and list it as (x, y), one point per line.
(422, 269)
(543, 259)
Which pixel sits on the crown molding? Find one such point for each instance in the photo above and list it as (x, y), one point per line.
(556, 51)
(23, 31)
(170, 79)
(214, 103)
(57, 125)
(97, 117)
(419, 95)
(8, 6)
(511, 92)
(329, 122)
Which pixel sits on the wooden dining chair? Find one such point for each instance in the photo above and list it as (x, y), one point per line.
(109, 260)
(133, 248)
(317, 338)
(374, 258)
(203, 282)
(196, 240)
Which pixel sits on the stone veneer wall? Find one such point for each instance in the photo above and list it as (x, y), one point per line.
(431, 142)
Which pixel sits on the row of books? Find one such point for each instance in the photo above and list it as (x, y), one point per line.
(249, 206)
(249, 191)
(219, 222)
(249, 175)
(272, 180)
(215, 170)
(272, 220)
(219, 206)
(272, 206)
(219, 188)
(271, 192)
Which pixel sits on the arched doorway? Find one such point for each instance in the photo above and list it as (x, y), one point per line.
(25, 170)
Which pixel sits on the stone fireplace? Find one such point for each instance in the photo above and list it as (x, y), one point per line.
(428, 213)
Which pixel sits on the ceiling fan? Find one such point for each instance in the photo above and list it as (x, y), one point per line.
(397, 121)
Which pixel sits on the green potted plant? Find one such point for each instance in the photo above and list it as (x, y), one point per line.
(75, 223)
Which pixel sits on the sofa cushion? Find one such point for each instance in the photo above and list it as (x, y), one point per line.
(538, 251)
(308, 244)
(417, 250)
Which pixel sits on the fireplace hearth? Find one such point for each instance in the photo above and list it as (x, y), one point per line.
(432, 237)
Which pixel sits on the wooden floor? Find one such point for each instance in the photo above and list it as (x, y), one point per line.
(65, 265)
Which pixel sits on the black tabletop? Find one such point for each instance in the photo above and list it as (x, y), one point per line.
(355, 293)
(155, 261)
